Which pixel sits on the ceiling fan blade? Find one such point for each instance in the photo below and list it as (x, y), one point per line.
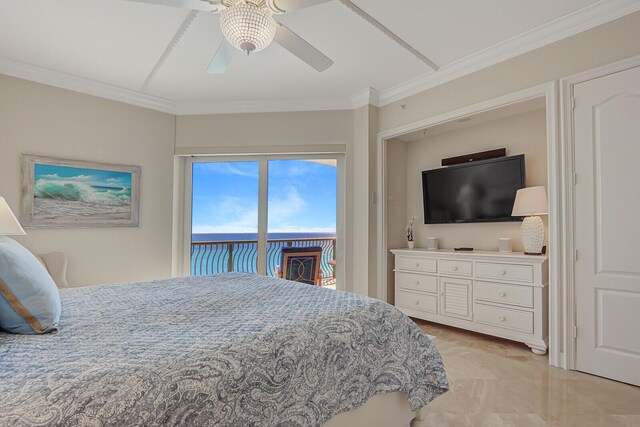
(222, 58)
(185, 4)
(300, 48)
(291, 5)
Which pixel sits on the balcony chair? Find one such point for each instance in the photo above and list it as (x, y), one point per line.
(301, 264)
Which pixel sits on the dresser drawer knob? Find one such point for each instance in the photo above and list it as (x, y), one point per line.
(417, 264)
(454, 268)
(503, 294)
(417, 282)
(502, 318)
(417, 302)
(502, 272)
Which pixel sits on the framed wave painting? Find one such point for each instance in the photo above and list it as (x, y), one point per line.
(71, 193)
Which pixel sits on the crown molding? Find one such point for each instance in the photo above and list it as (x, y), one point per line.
(368, 96)
(581, 20)
(276, 106)
(79, 84)
(62, 80)
(591, 16)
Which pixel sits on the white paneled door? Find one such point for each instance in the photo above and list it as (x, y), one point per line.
(607, 225)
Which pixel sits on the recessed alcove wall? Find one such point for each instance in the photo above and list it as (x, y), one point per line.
(521, 129)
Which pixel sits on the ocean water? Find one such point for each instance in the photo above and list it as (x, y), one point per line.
(211, 259)
(225, 237)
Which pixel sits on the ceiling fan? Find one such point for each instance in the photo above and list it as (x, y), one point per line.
(250, 26)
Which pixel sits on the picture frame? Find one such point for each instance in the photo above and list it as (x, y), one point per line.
(66, 193)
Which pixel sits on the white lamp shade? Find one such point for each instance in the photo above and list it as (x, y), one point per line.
(530, 201)
(9, 225)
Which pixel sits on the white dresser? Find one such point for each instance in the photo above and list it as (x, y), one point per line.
(505, 295)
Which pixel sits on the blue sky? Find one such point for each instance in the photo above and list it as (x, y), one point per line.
(302, 197)
(94, 177)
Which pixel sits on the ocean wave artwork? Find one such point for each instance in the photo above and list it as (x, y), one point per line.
(69, 191)
(76, 195)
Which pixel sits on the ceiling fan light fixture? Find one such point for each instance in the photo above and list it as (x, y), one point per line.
(248, 27)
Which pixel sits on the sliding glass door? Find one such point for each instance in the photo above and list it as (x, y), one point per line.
(302, 207)
(245, 211)
(224, 225)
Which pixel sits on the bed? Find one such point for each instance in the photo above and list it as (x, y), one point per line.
(224, 350)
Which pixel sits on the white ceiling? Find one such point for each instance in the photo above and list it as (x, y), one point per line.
(157, 56)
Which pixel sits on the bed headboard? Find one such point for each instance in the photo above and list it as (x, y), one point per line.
(56, 265)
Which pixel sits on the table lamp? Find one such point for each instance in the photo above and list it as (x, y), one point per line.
(9, 225)
(531, 202)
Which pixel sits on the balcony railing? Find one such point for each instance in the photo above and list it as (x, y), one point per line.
(242, 255)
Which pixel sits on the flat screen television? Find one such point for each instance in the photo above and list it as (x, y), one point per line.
(481, 191)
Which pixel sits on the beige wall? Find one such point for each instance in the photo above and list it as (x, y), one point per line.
(372, 142)
(364, 213)
(521, 134)
(396, 206)
(196, 134)
(602, 45)
(360, 231)
(40, 119)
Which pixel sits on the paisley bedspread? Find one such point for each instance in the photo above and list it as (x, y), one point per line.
(225, 350)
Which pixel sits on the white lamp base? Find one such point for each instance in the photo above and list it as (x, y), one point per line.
(532, 235)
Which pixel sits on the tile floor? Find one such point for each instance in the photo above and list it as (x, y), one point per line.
(498, 383)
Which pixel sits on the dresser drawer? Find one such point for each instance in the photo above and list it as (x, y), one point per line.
(456, 267)
(503, 317)
(427, 265)
(417, 282)
(417, 301)
(506, 294)
(512, 272)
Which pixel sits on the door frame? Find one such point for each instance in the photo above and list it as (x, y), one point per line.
(184, 254)
(555, 183)
(567, 85)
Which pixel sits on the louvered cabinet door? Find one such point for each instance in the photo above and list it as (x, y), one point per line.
(456, 298)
